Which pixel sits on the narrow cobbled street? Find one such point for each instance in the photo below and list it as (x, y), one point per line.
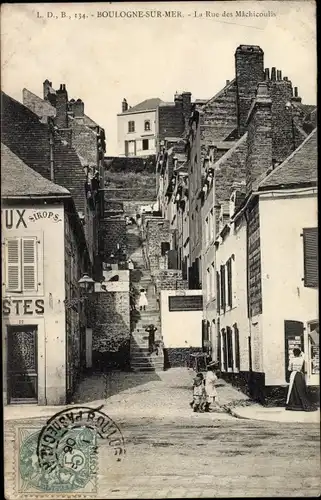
(173, 452)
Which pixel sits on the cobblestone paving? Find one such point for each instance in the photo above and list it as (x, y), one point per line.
(187, 459)
(174, 453)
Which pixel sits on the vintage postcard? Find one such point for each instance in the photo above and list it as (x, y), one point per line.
(160, 327)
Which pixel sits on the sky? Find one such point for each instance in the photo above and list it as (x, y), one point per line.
(104, 59)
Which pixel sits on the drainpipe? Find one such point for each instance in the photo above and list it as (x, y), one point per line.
(247, 294)
(52, 165)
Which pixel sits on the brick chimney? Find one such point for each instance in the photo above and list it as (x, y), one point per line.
(282, 119)
(79, 108)
(124, 106)
(249, 71)
(259, 139)
(62, 107)
(187, 107)
(47, 87)
(295, 95)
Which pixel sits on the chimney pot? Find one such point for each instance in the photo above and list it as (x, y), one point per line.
(280, 75)
(273, 74)
(267, 73)
(227, 82)
(296, 92)
(124, 105)
(285, 78)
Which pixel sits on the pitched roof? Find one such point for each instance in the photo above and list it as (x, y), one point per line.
(28, 138)
(43, 107)
(299, 169)
(147, 105)
(17, 179)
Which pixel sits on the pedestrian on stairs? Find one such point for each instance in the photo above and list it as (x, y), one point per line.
(143, 302)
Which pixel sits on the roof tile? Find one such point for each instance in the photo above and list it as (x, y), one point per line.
(17, 179)
(300, 168)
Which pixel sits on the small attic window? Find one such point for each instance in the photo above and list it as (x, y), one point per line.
(147, 125)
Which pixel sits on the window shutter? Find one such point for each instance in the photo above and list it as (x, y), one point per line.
(13, 268)
(229, 282)
(237, 347)
(29, 263)
(310, 250)
(218, 292)
(223, 296)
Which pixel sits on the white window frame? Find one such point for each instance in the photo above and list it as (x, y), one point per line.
(130, 122)
(39, 273)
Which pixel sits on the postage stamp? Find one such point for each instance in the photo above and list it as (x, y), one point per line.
(62, 456)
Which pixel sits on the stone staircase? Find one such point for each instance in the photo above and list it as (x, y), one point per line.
(140, 358)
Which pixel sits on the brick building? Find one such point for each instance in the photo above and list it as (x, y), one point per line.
(39, 147)
(45, 253)
(68, 121)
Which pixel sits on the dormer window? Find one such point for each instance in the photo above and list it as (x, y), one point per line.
(147, 126)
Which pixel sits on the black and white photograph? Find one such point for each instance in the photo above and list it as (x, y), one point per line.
(159, 216)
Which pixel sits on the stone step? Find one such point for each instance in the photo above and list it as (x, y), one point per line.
(146, 365)
(149, 369)
(145, 361)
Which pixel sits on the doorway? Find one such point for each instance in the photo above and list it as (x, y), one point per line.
(22, 364)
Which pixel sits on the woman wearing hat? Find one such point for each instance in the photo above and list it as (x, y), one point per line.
(297, 397)
(210, 389)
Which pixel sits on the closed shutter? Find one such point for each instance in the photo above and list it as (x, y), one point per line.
(13, 267)
(218, 292)
(223, 297)
(310, 250)
(229, 282)
(237, 347)
(224, 340)
(29, 264)
(230, 360)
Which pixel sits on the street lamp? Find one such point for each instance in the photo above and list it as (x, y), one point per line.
(86, 283)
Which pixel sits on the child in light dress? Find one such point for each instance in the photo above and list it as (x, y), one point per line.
(143, 302)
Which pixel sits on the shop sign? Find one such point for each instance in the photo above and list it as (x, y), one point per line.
(23, 307)
(15, 218)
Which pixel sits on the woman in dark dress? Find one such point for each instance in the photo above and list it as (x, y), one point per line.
(297, 398)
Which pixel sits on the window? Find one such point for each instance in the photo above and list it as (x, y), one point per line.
(229, 282)
(310, 252)
(21, 264)
(223, 297)
(131, 126)
(147, 126)
(145, 144)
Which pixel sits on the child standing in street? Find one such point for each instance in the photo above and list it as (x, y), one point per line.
(198, 393)
(210, 389)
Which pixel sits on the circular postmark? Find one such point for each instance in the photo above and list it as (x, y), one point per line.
(63, 456)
